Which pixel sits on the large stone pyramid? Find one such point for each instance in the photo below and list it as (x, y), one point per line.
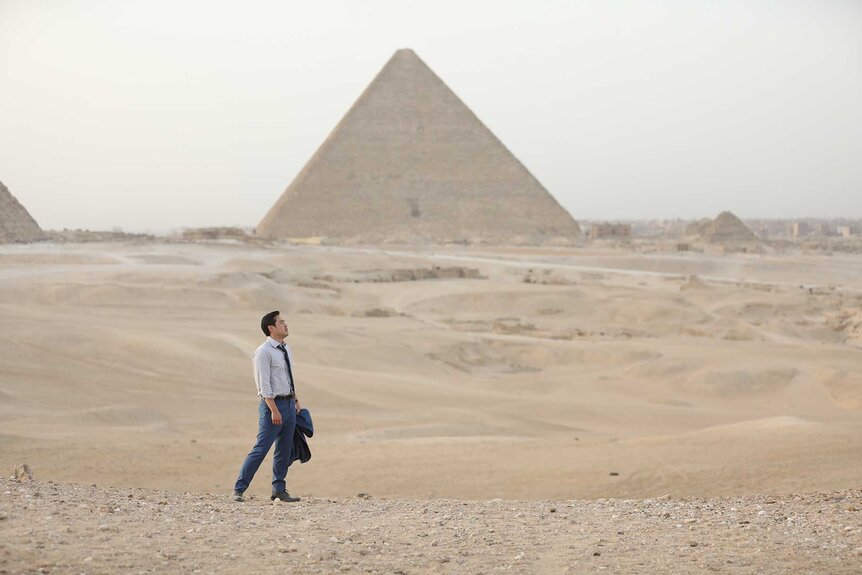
(16, 224)
(410, 162)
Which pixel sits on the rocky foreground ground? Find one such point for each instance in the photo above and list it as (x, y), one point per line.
(63, 528)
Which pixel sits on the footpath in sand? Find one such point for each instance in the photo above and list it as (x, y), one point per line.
(63, 528)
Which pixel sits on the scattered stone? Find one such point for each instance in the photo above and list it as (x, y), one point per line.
(23, 473)
(214, 233)
(205, 534)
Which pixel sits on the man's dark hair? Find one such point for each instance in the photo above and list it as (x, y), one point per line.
(268, 320)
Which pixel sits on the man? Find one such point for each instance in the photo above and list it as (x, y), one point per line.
(277, 410)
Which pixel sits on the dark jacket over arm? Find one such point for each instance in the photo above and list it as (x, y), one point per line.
(304, 428)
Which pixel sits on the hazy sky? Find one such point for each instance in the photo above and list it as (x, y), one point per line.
(155, 115)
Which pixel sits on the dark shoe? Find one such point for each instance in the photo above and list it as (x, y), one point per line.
(237, 495)
(284, 496)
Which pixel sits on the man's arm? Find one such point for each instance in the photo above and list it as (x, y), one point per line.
(261, 376)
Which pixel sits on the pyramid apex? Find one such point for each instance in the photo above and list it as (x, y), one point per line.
(404, 54)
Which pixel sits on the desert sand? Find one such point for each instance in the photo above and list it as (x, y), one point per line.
(468, 373)
(533, 410)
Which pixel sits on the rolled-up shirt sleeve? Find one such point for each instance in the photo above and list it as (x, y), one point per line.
(262, 374)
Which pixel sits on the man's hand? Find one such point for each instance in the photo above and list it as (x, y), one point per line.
(273, 410)
(298, 407)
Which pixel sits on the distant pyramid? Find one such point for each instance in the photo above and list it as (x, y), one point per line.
(16, 224)
(725, 229)
(410, 162)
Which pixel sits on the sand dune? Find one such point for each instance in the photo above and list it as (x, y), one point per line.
(845, 389)
(539, 375)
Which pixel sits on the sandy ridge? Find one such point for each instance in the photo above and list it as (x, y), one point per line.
(67, 528)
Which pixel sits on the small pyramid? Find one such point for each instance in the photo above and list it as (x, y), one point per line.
(725, 229)
(410, 162)
(16, 224)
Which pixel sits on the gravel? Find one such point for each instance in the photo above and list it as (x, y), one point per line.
(65, 528)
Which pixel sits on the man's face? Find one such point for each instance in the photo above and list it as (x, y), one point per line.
(279, 330)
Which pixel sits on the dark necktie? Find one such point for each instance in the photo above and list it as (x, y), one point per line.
(289, 371)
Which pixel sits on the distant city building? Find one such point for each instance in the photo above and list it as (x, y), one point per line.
(606, 231)
(761, 230)
(799, 229)
(845, 231)
(821, 229)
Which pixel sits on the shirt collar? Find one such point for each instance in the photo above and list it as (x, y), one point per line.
(273, 342)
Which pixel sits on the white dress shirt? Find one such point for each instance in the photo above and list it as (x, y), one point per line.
(270, 370)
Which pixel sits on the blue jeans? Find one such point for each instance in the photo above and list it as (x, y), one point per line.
(267, 434)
